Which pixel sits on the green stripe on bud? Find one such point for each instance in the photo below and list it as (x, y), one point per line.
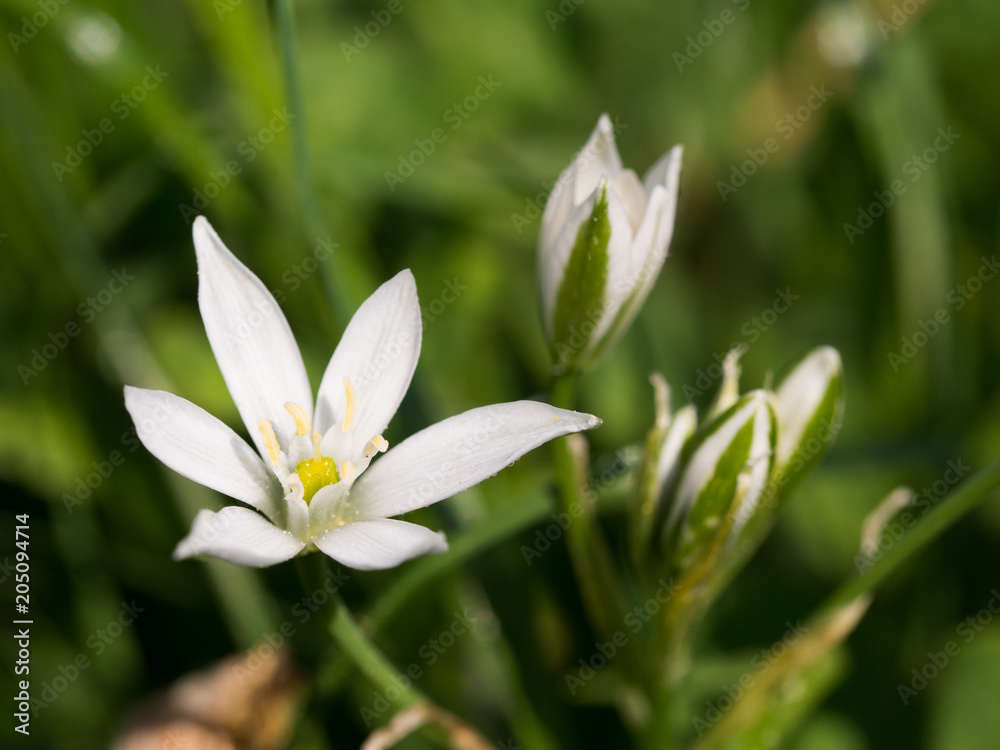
(580, 302)
(724, 477)
(809, 407)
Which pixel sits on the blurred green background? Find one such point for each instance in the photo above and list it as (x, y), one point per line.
(121, 121)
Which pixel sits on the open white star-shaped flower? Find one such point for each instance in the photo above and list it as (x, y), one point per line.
(311, 486)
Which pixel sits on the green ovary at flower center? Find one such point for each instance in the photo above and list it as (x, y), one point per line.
(317, 473)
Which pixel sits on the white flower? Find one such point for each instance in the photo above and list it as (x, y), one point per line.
(311, 485)
(603, 240)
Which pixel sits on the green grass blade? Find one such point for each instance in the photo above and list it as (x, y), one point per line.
(938, 520)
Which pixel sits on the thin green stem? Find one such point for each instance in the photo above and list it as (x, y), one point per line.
(305, 575)
(408, 704)
(352, 639)
(670, 648)
(658, 734)
(312, 571)
(564, 390)
(595, 571)
(372, 663)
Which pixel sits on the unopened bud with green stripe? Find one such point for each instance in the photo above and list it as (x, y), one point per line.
(604, 237)
(723, 478)
(809, 405)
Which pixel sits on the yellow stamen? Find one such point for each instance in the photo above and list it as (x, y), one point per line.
(347, 470)
(377, 444)
(317, 452)
(299, 415)
(270, 441)
(349, 414)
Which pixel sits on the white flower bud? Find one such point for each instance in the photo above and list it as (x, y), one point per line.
(603, 240)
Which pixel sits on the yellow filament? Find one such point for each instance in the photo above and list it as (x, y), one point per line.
(299, 415)
(349, 413)
(377, 444)
(270, 441)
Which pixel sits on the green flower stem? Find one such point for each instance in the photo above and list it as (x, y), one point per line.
(671, 640)
(658, 734)
(670, 648)
(312, 571)
(372, 663)
(564, 390)
(411, 709)
(595, 572)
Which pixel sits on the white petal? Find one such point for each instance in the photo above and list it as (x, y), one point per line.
(250, 338)
(328, 505)
(652, 241)
(298, 517)
(800, 395)
(460, 452)
(198, 446)
(758, 467)
(662, 184)
(664, 171)
(632, 195)
(598, 158)
(682, 427)
(558, 208)
(240, 536)
(380, 544)
(377, 356)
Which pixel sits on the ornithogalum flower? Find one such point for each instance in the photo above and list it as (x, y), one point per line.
(604, 237)
(731, 476)
(309, 484)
